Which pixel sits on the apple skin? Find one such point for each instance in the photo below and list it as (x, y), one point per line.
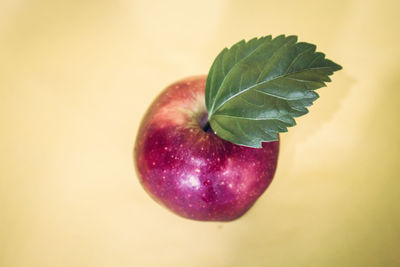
(194, 173)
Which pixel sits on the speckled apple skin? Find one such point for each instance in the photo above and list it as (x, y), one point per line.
(194, 173)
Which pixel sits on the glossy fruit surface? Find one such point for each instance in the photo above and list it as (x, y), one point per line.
(193, 172)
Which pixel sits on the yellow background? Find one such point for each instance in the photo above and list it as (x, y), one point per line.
(77, 76)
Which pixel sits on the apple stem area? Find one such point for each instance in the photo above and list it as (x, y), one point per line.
(204, 123)
(206, 127)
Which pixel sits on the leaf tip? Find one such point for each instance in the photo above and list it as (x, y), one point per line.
(338, 67)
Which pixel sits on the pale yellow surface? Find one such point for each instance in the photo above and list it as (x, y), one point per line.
(77, 76)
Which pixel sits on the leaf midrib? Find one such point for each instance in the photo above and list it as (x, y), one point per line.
(250, 119)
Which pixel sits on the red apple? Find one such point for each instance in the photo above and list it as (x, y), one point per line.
(192, 171)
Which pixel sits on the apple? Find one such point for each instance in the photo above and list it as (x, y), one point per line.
(208, 146)
(190, 170)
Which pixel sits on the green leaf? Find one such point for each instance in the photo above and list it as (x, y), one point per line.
(255, 89)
